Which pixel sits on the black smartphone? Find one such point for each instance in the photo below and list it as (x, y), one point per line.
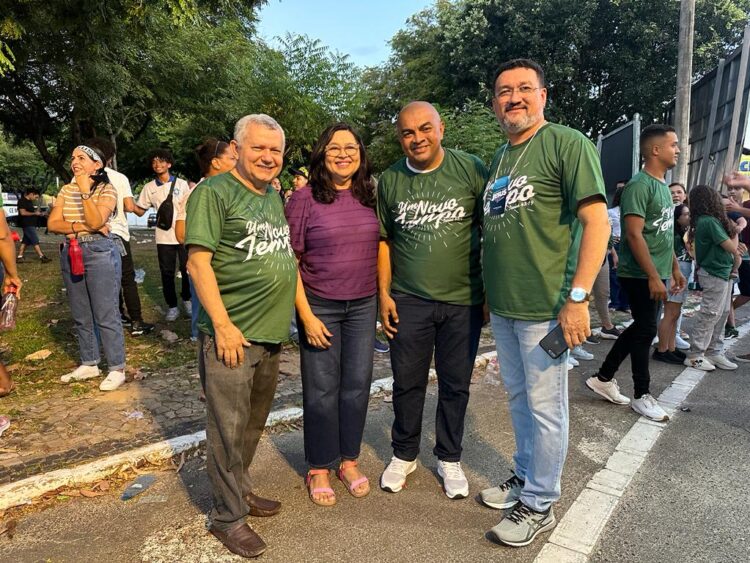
(554, 343)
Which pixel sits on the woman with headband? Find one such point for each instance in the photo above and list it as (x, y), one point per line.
(81, 212)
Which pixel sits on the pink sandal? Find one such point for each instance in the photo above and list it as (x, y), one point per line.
(354, 484)
(318, 490)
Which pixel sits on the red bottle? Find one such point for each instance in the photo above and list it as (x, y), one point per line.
(8, 309)
(75, 254)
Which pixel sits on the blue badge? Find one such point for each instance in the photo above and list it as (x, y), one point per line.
(498, 194)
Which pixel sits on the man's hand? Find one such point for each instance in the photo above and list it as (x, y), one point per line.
(575, 322)
(9, 280)
(230, 345)
(615, 259)
(735, 179)
(388, 315)
(657, 290)
(731, 205)
(741, 249)
(317, 333)
(677, 283)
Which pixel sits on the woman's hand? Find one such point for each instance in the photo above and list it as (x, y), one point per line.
(84, 183)
(317, 333)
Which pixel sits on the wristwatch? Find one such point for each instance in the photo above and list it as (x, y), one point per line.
(578, 295)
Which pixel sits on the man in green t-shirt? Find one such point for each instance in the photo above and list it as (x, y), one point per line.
(647, 259)
(245, 275)
(545, 237)
(430, 286)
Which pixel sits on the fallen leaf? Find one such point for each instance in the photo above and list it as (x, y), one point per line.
(169, 336)
(102, 486)
(9, 528)
(39, 355)
(73, 493)
(182, 462)
(89, 494)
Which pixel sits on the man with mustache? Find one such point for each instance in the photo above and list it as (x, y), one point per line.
(544, 240)
(430, 285)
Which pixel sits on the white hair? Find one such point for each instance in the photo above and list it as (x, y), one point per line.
(257, 119)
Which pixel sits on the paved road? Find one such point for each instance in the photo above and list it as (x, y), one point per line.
(418, 524)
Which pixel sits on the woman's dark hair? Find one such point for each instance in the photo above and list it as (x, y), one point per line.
(704, 200)
(617, 196)
(323, 190)
(207, 151)
(678, 209)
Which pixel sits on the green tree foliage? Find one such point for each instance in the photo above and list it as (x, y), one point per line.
(604, 59)
(22, 168)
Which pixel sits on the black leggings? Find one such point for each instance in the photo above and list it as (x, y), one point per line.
(168, 257)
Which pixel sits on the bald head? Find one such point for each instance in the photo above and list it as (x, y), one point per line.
(420, 132)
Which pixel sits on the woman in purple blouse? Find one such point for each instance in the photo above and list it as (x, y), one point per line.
(334, 232)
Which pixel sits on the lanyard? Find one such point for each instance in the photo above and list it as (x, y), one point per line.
(520, 158)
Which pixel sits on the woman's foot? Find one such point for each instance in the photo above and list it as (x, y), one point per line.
(319, 487)
(356, 483)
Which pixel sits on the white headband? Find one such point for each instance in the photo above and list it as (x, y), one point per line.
(91, 152)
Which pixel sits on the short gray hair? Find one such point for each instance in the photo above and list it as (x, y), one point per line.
(257, 119)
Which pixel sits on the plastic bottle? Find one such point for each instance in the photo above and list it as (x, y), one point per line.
(76, 258)
(8, 309)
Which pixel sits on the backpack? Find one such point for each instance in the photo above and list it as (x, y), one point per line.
(165, 213)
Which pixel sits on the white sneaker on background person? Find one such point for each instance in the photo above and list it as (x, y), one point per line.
(722, 362)
(572, 362)
(699, 362)
(114, 379)
(680, 344)
(610, 390)
(188, 305)
(581, 354)
(455, 484)
(81, 373)
(393, 478)
(648, 407)
(172, 314)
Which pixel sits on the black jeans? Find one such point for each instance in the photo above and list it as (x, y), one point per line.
(237, 405)
(129, 295)
(636, 339)
(453, 332)
(336, 381)
(168, 255)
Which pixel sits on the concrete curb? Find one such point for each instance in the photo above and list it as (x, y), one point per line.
(24, 491)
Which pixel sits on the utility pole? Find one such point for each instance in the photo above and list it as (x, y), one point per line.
(684, 83)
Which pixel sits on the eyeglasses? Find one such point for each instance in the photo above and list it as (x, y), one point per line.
(349, 150)
(505, 93)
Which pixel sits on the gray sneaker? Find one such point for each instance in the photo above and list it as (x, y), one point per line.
(522, 526)
(504, 496)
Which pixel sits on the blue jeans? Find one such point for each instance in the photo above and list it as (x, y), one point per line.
(538, 399)
(196, 309)
(336, 381)
(94, 300)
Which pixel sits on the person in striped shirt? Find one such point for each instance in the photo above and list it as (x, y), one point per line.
(82, 211)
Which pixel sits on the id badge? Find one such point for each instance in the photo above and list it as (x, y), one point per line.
(498, 195)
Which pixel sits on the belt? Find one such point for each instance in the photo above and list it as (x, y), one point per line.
(90, 238)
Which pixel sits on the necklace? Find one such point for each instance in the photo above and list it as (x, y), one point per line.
(520, 158)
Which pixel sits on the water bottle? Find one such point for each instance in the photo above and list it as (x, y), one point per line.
(76, 258)
(8, 309)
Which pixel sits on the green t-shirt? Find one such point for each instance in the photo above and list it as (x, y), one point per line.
(253, 259)
(649, 198)
(433, 221)
(531, 234)
(711, 257)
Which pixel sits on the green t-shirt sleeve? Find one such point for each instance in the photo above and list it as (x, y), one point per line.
(634, 200)
(384, 215)
(715, 231)
(205, 218)
(582, 172)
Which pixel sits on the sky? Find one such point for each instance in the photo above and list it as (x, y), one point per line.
(359, 28)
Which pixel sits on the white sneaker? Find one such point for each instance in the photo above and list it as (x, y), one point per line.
(188, 307)
(626, 324)
(454, 481)
(572, 362)
(393, 478)
(700, 363)
(607, 389)
(81, 373)
(648, 407)
(172, 314)
(680, 344)
(579, 353)
(114, 379)
(721, 361)
(655, 341)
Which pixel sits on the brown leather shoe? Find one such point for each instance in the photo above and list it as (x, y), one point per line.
(260, 506)
(241, 540)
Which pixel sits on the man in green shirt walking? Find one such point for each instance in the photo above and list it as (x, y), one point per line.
(545, 237)
(430, 286)
(647, 260)
(245, 275)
